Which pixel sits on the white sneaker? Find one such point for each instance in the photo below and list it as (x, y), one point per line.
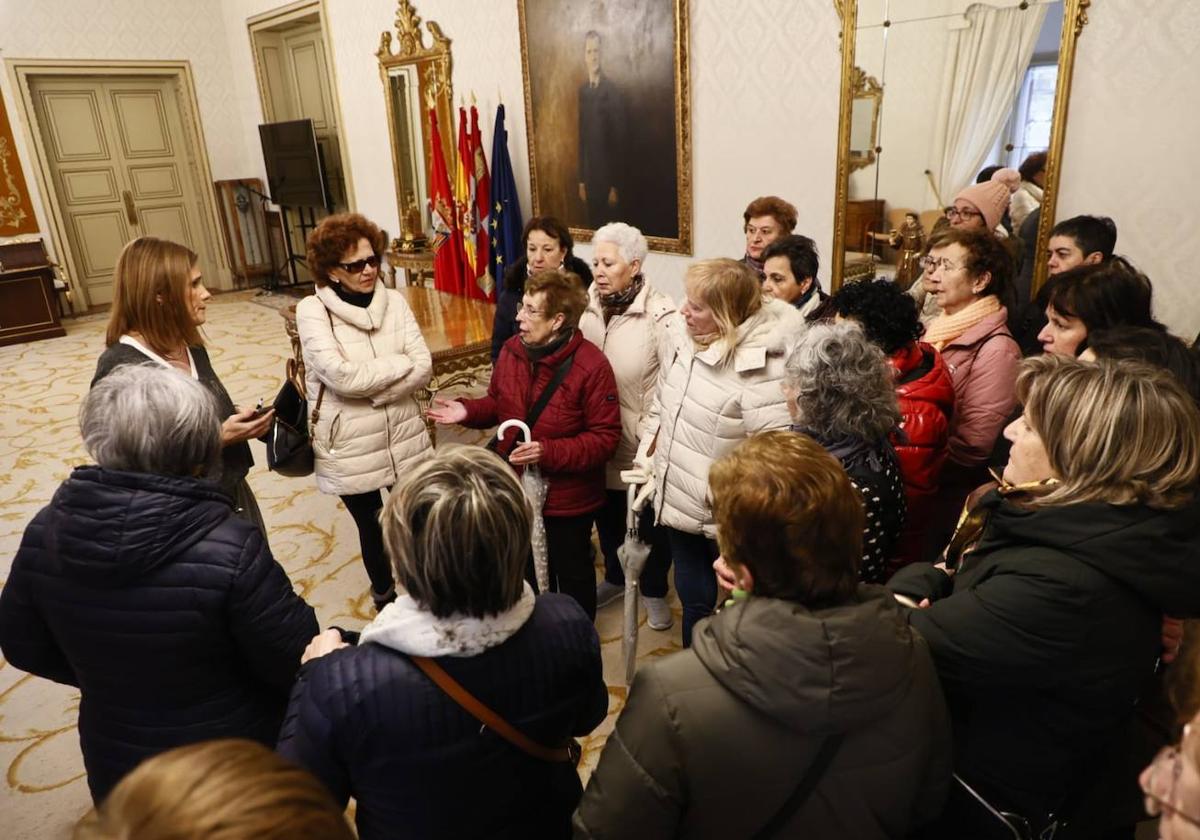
(658, 613)
(607, 592)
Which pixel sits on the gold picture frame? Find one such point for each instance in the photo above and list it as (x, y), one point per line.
(573, 139)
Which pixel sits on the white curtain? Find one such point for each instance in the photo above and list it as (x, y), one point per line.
(985, 65)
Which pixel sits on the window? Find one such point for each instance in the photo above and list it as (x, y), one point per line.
(1029, 127)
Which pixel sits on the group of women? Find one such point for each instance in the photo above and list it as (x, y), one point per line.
(793, 448)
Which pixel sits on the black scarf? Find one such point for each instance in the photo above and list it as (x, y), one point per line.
(359, 299)
(541, 351)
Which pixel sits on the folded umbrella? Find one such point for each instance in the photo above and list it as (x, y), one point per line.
(633, 554)
(535, 491)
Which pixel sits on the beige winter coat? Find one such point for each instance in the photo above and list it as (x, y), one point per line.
(634, 343)
(371, 361)
(703, 409)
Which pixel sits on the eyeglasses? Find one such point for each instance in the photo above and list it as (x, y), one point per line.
(529, 311)
(1161, 781)
(953, 213)
(930, 265)
(358, 266)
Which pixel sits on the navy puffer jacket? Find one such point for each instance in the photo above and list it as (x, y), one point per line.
(167, 611)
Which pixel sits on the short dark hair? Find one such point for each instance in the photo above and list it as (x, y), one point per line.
(1032, 165)
(772, 205)
(986, 174)
(1153, 346)
(786, 510)
(550, 226)
(1107, 295)
(886, 314)
(985, 253)
(1091, 234)
(801, 253)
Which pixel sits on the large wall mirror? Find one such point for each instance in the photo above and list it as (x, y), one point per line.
(416, 78)
(932, 92)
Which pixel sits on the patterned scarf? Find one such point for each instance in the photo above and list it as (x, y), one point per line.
(617, 302)
(945, 328)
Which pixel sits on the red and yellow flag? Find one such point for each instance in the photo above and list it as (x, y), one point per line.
(447, 236)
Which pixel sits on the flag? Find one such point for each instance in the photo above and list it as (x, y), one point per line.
(464, 207)
(483, 195)
(505, 221)
(447, 238)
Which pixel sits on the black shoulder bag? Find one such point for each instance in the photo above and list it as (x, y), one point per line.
(560, 373)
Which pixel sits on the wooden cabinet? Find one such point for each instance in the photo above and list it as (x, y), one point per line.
(862, 217)
(28, 311)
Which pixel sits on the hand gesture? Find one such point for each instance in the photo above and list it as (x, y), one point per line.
(447, 412)
(323, 643)
(244, 425)
(526, 453)
(725, 576)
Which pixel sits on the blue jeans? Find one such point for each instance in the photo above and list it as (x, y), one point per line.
(610, 526)
(695, 580)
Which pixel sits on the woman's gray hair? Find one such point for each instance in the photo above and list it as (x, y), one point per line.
(457, 531)
(628, 239)
(152, 419)
(843, 383)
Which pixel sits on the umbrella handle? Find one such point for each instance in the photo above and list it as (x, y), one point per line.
(514, 423)
(631, 516)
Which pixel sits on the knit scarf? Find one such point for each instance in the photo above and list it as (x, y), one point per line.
(617, 302)
(757, 265)
(945, 328)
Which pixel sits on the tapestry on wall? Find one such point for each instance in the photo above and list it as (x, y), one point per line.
(607, 113)
(16, 209)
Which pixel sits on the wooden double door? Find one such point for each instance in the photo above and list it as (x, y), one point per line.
(123, 167)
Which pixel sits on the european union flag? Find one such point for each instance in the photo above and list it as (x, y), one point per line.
(505, 222)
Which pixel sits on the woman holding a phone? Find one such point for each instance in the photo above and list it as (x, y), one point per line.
(159, 304)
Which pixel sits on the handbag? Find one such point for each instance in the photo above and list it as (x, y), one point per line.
(571, 751)
(288, 440)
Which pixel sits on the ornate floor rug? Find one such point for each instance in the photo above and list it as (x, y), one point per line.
(312, 536)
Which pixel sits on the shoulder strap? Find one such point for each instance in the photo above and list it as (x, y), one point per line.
(316, 412)
(811, 777)
(560, 373)
(486, 716)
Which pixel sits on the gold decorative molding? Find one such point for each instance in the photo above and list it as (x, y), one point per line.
(1081, 17)
(411, 41)
(863, 86)
(848, 10)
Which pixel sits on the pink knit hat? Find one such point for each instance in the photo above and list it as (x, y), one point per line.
(991, 197)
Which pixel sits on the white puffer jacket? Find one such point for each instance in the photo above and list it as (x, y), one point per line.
(703, 410)
(370, 360)
(635, 343)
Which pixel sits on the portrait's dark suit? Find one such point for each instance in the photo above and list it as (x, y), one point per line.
(602, 129)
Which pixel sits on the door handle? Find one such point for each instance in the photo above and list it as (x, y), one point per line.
(130, 210)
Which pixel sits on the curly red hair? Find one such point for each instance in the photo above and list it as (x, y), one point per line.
(329, 241)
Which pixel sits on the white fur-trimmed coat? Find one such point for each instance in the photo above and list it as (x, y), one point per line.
(371, 361)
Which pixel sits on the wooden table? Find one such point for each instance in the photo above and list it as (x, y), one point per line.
(458, 331)
(417, 266)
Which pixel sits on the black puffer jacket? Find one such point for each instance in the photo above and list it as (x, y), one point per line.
(1046, 636)
(714, 740)
(166, 610)
(508, 302)
(370, 724)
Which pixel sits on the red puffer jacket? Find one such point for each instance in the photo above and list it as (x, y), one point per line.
(579, 429)
(926, 396)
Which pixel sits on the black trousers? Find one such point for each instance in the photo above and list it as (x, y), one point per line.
(610, 527)
(569, 550)
(365, 507)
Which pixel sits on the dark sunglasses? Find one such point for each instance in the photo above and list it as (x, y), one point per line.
(358, 266)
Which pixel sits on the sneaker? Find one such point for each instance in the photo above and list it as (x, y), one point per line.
(658, 613)
(607, 592)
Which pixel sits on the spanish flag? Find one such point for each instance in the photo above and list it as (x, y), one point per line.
(447, 237)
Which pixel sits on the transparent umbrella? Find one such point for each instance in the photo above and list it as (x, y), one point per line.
(535, 490)
(633, 554)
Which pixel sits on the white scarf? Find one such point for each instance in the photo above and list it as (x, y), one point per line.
(407, 627)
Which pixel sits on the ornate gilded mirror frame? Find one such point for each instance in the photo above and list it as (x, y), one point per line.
(1075, 18)
(864, 88)
(431, 67)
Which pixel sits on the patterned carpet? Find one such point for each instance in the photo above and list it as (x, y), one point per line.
(41, 385)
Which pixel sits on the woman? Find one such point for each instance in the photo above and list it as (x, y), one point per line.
(728, 347)
(1045, 619)
(840, 393)
(969, 273)
(924, 391)
(626, 318)
(159, 304)
(1152, 345)
(979, 207)
(765, 219)
(547, 244)
(1028, 196)
(371, 725)
(364, 358)
(790, 267)
(139, 586)
(807, 682)
(1095, 297)
(574, 434)
(228, 789)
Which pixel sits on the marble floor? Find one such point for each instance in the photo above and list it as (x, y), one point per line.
(41, 384)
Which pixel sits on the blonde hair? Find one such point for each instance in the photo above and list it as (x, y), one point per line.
(457, 531)
(230, 789)
(731, 290)
(1120, 432)
(151, 285)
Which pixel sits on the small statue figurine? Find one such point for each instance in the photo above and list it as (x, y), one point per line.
(908, 240)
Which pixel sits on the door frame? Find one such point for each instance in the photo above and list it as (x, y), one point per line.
(20, 71)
